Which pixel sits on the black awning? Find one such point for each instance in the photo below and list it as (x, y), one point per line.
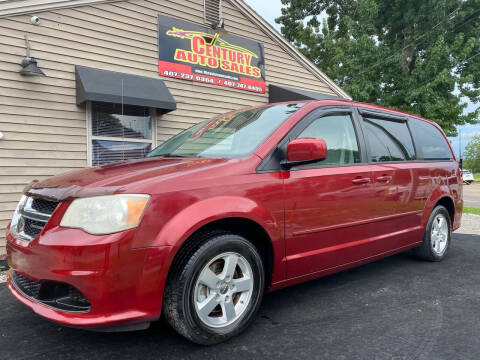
(283, 93)
(106, 86)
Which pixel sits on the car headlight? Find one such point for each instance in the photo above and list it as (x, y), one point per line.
(16, 216)
(105, 214)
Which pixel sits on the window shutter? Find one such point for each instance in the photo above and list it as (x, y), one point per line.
(212, 11)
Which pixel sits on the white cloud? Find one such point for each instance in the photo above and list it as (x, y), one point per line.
(268, 9)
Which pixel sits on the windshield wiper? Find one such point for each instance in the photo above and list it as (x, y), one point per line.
(170, 155)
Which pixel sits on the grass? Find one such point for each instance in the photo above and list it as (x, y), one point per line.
(476, 176)
(471, 210)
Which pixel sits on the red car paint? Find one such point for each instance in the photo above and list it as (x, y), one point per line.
(361, 212)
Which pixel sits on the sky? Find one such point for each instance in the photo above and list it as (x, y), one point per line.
(270, 9)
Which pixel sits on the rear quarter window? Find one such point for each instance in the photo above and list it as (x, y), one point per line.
(430, 141)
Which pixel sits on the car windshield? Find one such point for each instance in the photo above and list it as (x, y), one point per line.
(232, 135)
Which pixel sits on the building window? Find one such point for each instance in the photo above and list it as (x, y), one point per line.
(213, 11)
(119, 132)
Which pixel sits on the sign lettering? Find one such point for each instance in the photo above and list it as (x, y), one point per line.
(196, 53)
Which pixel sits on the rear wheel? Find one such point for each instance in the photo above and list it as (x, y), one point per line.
(215, 288)
(436, 240)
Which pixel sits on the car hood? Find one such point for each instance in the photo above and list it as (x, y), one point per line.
(151, 175)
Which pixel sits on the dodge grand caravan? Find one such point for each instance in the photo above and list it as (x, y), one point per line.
(253, 200)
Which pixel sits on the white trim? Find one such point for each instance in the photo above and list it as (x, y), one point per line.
(90, 137)
(289, 48)
(19, 7)
(89, 132)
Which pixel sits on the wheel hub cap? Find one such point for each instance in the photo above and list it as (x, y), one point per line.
(439, 234)
(223, 289)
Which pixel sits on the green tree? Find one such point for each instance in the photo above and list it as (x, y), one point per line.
(418, 56)
(471, 155)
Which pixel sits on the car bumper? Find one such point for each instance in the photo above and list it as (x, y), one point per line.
(124, 286)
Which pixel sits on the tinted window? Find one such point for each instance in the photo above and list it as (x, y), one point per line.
(339, 135)
(430, 141)
(389, 140)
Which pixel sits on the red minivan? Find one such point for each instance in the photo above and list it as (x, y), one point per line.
(253, 200)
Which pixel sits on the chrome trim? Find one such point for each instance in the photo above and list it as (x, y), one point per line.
(28, 212)
(34, 215)
(23, 236)
(28, 208)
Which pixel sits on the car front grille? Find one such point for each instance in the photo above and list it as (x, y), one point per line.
(34, 215)
(57, 295)
(32, 227)
(44, 206)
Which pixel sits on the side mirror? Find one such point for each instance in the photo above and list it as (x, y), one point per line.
(305, 150)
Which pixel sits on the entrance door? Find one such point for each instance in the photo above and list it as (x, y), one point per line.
(328, 204)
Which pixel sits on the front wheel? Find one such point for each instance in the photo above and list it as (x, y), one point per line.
(438, 232)
(215, 288)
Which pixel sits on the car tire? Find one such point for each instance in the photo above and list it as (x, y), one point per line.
(203, 277)
(438, 233)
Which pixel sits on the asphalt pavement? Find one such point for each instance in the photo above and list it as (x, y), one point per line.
(395, 308)
(471, 195)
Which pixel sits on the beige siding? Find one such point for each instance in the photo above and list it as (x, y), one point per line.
(45, 132)
(11, 7)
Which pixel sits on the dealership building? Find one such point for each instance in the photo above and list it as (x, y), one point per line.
(87, 82)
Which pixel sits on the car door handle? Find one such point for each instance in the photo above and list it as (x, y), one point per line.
(384, 178)
(361, 180)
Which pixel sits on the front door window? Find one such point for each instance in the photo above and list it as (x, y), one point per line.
(339, 135)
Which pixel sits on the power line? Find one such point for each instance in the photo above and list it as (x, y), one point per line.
(428, 81)
(467, 19)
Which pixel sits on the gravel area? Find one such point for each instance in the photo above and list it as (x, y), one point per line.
(470, 225)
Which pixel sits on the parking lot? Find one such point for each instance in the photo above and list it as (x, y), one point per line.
(395, 308)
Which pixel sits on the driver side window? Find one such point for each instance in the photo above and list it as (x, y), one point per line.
(339, 135)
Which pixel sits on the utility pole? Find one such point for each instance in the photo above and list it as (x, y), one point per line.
(460, 147)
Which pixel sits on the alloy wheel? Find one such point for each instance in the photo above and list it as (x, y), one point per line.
(439, 234)
(223, 289)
